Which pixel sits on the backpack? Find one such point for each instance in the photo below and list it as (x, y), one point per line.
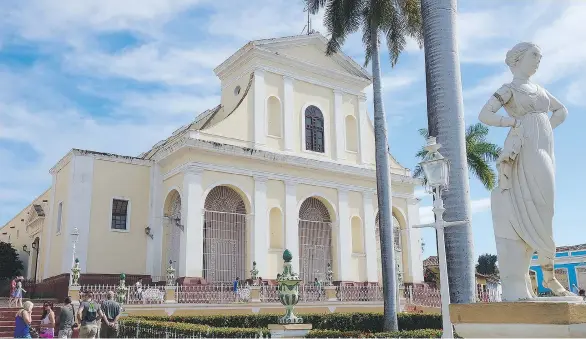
(91, 312)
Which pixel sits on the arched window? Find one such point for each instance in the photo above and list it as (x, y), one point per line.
(314, 129)
(274, 125)
(173, 229)
(351, 134)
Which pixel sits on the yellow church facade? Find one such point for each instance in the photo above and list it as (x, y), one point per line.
(285, 161)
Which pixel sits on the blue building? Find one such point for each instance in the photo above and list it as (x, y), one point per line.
(570, 269)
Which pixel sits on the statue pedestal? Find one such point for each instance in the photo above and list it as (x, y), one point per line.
(289, 330)
(73, 293)
(540, 318)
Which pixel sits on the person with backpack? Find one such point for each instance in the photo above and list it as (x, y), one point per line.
(87, 315)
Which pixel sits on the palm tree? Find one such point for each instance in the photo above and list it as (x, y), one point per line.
(445, 117)
(396, 20)
(479, 154)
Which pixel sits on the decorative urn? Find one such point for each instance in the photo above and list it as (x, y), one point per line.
(289, 291)
(122, 290)
(75, 270)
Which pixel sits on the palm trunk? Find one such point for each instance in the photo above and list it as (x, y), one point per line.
(383, 184)
(445, 112)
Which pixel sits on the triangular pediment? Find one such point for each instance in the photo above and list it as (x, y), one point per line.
(312, 49)
(305, 51)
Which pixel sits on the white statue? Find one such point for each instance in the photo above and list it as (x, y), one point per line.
(523, 202)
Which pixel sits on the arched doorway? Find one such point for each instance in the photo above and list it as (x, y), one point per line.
(398, 248)
(173, 229)
(224, 244)
(315, 240)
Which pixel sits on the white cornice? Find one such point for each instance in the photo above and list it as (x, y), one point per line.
(99, 156)
(288, 179)
(272, 157)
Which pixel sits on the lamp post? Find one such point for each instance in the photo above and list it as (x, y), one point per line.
(74, 239)
(436, 170)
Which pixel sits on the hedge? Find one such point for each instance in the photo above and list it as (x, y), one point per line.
(362, 322)
(164, 329)
(425, 333)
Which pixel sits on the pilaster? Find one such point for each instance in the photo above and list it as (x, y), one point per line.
(79, 201)
(259, 108)
(362, 129)
(292, 223)
(48, 231)
(154, 253)
(261, 232)
(340, 128)
(191, 251)
(370, 237)
(344, 246)
(415, 260)
(288, 104)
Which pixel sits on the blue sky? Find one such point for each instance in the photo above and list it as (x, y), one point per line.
(118, 76)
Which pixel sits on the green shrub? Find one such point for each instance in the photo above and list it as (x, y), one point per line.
(423, 333)
(140, 328)
(362, 322)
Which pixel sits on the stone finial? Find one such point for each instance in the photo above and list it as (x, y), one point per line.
(254, 274)
(287, 256)
(289, 290)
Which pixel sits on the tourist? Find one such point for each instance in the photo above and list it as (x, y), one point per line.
(110, 315)
(138, 287)
(12, 299)
(87, 315)
(318, 288)
(235, 288)
(18, 292)
(48, 321)
(22, 322)
(66, 320)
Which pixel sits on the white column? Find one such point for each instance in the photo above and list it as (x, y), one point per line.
(344, 245)
(292, 223)
(261, 232)
(259, 108)
(288, 120)
(362, 129)
(48, 231)
(191, 251)
(79, 203)
(154, 254)
(340, 128)
(415, 259)
(370, 237)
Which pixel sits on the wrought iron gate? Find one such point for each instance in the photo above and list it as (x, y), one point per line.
(224, 245)
(315, 240)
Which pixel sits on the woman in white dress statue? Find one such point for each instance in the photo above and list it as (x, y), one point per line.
(523, 202)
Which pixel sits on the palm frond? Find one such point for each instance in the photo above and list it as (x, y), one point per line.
(421, 153)
(341, 18)
(485, 150)
(313, 6)
(423, 132)
(412, 12)
(366, 39)
(476, 132)
(482, 170)
(393, 25)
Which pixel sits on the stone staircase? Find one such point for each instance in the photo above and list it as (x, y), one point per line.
(7, 316)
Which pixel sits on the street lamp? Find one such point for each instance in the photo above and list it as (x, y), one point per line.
(436, 170)
(25, 249)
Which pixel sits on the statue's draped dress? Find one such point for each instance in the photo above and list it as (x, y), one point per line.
(527, 170)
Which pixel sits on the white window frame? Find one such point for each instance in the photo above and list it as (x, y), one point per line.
(327, 140)
(59, 221)
(128, 214)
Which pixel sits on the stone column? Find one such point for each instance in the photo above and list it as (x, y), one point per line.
(340, 126)
(363, 124)
(370, 237)
(191, 251)
(344, 246)
(288, 120)
(261, 229)
(292, 224)
(259, 108)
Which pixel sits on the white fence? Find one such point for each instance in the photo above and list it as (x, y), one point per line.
(143, 295)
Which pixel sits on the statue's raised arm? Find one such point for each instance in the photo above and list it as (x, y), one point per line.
(523, 202)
